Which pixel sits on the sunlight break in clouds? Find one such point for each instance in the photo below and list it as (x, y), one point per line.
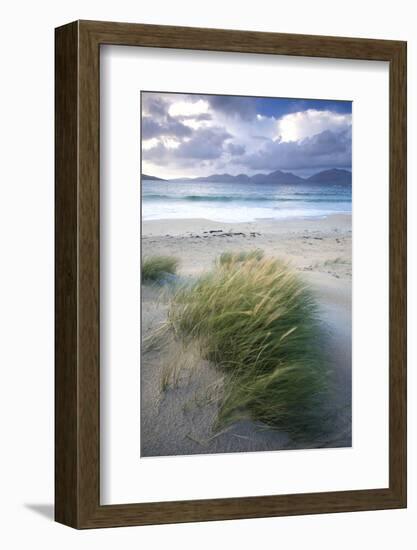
(297, 126)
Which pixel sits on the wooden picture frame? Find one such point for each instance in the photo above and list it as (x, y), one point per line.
(77, 382)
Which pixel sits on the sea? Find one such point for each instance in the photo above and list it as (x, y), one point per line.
(242, 202)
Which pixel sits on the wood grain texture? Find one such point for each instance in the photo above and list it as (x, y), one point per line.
(398, 273)
(78, 284)
(66, 238)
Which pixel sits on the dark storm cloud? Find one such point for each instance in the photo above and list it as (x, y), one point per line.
(204, 144)
(244, 107)
(235, 150)
(329, 149)
(168, 127)
(157, 122)
(154, 105)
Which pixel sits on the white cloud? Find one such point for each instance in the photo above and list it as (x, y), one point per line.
(149, 143)
(188, 108)
(303, 124)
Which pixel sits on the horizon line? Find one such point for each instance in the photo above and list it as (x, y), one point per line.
(246, 175)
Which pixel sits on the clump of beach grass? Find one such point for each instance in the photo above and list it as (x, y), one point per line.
(256, 321)
(227, 258)
(155, 268)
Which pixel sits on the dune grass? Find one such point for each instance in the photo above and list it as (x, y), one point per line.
(227, 258)
(255, 320)
(155, 268)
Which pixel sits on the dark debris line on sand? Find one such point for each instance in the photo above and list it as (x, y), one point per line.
(221, 233)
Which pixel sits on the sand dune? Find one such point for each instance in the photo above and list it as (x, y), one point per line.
(178, 420)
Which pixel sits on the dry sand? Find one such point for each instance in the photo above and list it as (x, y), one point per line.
(178, 420)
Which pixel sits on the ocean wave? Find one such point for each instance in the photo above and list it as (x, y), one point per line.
(236, 215)
(245, 198)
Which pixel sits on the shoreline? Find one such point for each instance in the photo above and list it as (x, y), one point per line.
(178, 225)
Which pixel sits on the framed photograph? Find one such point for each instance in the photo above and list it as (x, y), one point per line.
(230, 274)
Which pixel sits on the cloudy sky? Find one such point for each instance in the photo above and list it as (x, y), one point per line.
(198, 135)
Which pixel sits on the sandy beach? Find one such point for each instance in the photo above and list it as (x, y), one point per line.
(176, 419)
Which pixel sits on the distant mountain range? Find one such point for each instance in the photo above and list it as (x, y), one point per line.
(335, 175)
(147, 177)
